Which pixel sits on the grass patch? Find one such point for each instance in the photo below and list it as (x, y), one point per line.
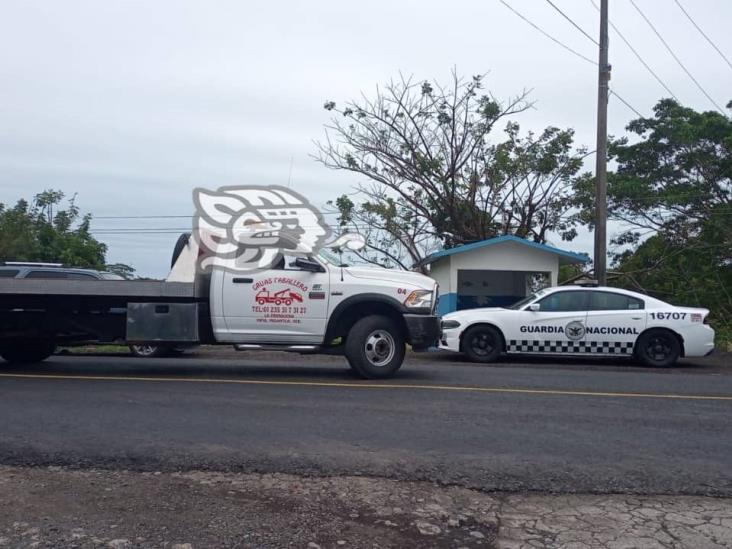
(111, 349)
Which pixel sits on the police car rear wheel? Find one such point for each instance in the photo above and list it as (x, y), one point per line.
(658, 348)
(482, 344)
(375, 347)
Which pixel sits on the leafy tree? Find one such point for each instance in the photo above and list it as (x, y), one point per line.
(672, 191)
(436, 176)
(44, 231)
(121, 269)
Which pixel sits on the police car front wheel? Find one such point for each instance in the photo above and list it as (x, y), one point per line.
(658, 348)
(482, 343)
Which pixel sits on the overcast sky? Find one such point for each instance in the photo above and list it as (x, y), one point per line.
(132, 104)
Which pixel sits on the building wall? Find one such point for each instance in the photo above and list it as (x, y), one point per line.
(505, 256)
(440, 272)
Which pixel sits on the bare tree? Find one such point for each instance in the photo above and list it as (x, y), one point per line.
(435, 177)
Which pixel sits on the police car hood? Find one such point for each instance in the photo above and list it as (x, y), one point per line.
(479, 312)
(407, 278)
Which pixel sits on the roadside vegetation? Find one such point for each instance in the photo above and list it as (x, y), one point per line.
(49, 229)
(672, 190)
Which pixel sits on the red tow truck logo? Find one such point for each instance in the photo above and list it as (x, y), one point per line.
(283, 297)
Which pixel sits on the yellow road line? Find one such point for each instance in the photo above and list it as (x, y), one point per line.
(366, 385)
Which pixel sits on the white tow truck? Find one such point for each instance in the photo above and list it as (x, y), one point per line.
(311, 304)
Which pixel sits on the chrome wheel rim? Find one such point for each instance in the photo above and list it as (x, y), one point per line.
(145, 350)
(379, 347)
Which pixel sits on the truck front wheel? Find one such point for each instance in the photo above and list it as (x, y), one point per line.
(375, 347)
(27, 351)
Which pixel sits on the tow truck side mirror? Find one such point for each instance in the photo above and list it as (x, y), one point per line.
(535, 307)
(309, 265)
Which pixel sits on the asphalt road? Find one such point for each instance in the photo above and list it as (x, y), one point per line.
(597, 427)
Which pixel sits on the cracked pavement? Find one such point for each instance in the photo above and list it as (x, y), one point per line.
(59, 507)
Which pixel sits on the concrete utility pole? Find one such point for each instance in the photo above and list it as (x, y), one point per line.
(601, 154)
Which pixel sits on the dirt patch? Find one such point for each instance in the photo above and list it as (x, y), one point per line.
(55, 507)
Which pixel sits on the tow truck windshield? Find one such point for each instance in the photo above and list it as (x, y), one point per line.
(330, 257)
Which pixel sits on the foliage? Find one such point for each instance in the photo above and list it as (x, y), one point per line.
(121, 269)
(686, 274)
(435, 176)
(44, 231)
(673, 191)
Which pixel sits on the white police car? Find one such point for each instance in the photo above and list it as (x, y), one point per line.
(581, 320)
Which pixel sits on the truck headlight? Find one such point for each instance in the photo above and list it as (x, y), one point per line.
(419, 299)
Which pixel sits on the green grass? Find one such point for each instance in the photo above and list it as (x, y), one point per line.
(111, 349)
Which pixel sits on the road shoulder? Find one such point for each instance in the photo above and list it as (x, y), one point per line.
(55, 506)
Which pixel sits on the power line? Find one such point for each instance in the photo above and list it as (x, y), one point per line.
(566, 47)
(575, 25)
(190, 216)
(704, 34)
(638, 56)
(668, 48)
(143, 216)
(624, 102)
(549, 36)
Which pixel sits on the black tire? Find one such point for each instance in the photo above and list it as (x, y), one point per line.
(150, 351)
(482, 344)
(658, 348)
(27, 351)
(375, 347)
(181, 243)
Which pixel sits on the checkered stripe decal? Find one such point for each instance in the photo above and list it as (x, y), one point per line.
(593, 347)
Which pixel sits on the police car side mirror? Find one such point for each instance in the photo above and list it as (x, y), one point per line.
(309, 265)
(535, 307)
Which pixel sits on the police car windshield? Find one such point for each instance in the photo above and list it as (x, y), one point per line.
(528, 299)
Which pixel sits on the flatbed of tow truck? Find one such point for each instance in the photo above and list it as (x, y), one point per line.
(126, 289)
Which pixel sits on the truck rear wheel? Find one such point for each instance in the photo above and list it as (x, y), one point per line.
(27, 351)
(375, 347)
(150, 351)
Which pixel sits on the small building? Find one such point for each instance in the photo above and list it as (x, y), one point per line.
(495, 272)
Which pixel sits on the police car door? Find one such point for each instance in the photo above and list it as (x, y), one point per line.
(557, 325)
(614, 322)
(284, 304)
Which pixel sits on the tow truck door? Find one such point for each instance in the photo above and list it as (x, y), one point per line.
(281, 305)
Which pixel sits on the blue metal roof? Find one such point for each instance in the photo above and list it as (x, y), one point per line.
(571, 256)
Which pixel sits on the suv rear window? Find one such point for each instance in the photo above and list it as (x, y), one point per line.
(8, 273)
